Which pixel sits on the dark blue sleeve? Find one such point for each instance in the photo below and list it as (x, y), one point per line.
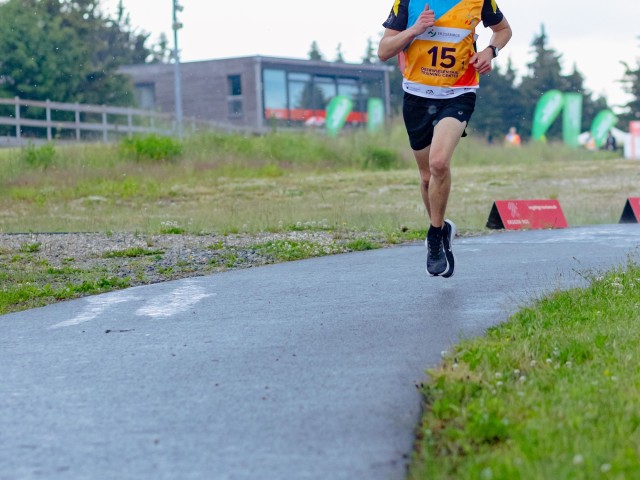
(398, 21)
(491, 14)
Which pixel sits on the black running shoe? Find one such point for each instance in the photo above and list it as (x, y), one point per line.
(449, 231)
(436, 259)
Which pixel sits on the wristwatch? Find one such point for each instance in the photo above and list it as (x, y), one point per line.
(495, 50)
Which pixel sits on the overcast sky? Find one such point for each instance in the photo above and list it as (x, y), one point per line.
(594, 38)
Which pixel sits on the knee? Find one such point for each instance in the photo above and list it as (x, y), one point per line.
(439, 166)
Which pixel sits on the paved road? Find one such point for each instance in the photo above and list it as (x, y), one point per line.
(303, 370)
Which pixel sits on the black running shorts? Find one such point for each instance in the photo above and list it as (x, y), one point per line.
(422, 114)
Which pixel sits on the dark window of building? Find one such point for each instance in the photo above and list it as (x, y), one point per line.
(235, 85)
(235, 108)
(234, 98)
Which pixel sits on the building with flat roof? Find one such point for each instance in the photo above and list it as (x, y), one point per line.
(258, 93)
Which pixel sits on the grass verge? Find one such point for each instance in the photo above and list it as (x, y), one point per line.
(550, 394)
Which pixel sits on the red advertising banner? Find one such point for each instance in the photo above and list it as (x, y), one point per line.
(300, 114)
(526, 215)
(631, 211)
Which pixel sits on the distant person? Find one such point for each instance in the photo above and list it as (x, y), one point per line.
(490, 138)
(441, 71)
(590, 143)
(512, 138)
(610, 144)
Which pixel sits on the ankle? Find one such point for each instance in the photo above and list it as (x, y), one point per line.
(434, 231)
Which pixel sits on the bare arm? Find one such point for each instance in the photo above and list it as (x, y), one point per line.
(394, 41)
(500, 37)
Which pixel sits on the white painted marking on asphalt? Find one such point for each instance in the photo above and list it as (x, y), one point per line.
(179, 300)
(96, 306)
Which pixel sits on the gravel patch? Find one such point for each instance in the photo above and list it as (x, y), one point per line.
(146, 258)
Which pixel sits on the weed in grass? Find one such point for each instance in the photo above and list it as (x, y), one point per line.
(132, 252)
(173, 230)
(288, 250)
(170, 227)
(151, 147)
(30, 247)
(38, 157)
(270, 171)
(379, 158)
(62, 271)
(165, 271)
(226, 259)
(305, 226)
(361, 244)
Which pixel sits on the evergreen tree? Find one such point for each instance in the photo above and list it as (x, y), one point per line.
(339, 54)
(314, 52)
(39, 56)
(499, 105)
(544, 75)
(112, 44)
(161, 52)
(68, 51)
(370, 56)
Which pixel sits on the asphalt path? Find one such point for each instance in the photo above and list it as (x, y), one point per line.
(300, 370)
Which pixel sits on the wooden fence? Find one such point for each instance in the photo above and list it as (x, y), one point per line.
(37, 120)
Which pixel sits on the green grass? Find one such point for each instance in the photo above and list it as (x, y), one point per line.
(217, 183)
(26, 281)
(550, 394)
(132, 253)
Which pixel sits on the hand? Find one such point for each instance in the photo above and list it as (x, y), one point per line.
(482, 61)
(425, 20)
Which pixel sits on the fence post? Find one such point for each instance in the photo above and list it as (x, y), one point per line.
(48, 116)
(104, 124)
(77, 112)
(18, 132)
(130, 124)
